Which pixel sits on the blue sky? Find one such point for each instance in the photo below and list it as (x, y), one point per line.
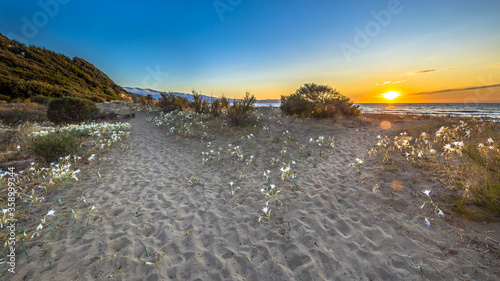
(270, 48)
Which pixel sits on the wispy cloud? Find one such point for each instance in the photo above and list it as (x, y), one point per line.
(455, 90)
(430, 70)
(390, 82)
(493, 65)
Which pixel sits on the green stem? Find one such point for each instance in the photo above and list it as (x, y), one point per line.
(50, 227)
(22, 245)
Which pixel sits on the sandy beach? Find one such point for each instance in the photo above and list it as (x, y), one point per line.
(162, 214)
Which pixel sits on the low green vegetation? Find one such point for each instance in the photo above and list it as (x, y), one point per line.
(49, 148)
(318, 101)
(71, 110)
(241, 110)
(29, 71)
(467, 156)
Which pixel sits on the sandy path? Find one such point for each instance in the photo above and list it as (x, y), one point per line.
(203, 233)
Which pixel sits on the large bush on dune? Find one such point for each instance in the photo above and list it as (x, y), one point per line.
(170, 102)
(198, 104)
(51, 147)
(240, 110)
(318, 101)
(71, 110)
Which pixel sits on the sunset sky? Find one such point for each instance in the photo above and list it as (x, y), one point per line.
(427, 51)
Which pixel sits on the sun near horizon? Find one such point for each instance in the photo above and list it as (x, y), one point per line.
(391, 95)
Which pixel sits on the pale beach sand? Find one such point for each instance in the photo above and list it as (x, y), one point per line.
(339, 228)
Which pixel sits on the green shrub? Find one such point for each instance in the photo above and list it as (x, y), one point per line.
(218, 106)
(318, 101)
(198, 105)
(224, 102)
(15, 117)
(240, 110)
(98, 99)
(71, 110)
(150, 99)
(53, 146)
(170, 102)
(41, 99)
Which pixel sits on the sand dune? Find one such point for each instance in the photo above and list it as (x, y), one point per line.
(149, 212)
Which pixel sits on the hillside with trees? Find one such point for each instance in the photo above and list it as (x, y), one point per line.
(28, 71)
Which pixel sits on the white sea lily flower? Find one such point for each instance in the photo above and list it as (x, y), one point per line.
(311, 140)
(427, 222)
(265, 209)
(427, 192)
(51, 213)
(293, 162)
(231, 183)
(272, 186)
(262, 190)
(480, 145)
(40, 226)
(360, 161)
(440, 213)
(490, 141)
(5, 211)
(18, 147)
(448, 147)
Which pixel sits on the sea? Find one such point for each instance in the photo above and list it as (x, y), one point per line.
(487, 110)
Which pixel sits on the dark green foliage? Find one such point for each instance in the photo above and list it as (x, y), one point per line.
(16, 117)
(224, 102)
(216, 108)
(149, 99)
(218, 105)
(240, 110)
(170, 102)
(318, 101)
(198, 105)
(71, 110)
(28, 71)
(41, 99)
(53, 146)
